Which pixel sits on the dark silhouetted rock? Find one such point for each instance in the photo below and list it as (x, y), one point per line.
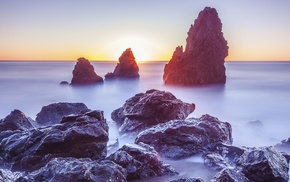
(79, 136)
(53, 113)
(84, 73)
(202, 62)
(148, 109)
(182, 138)
(64, 83)
(16, 120)
(72, 169)
(264, 164)
(126, 68)
(229, 175)
(140, 161)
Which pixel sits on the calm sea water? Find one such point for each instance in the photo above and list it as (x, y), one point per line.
(254, 91)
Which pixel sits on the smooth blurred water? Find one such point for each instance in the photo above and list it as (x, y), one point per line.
(254, 91)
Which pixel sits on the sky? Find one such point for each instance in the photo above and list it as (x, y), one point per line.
(103, 29)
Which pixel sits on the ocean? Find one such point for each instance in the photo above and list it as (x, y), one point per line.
(254, 91)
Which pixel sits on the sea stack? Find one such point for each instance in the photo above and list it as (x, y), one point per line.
(84, 74)
(126, 68)
(202, 61)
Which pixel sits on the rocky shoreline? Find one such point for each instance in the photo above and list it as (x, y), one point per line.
(69, 142)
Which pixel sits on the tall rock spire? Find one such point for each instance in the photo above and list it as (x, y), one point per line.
(202, 61)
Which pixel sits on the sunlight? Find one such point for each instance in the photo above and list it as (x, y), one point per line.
(140, 47)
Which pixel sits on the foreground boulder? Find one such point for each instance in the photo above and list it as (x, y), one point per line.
(264, 164)
(72, 169)
(140, 161)
(148, 109)
(183, 138)
(202, 61)
(84, 73)
(77, 136)
(126, 68)
(53, 113)
(16, 120)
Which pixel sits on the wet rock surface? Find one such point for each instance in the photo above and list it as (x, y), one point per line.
(148, 109)
(229, 175)
(53, 113)
(84, 73)
(127, 67)
(16, 120)
(72, 169)
(140, 161)
(202, 61)
(183, 138)
(264, 164)
(78, 136)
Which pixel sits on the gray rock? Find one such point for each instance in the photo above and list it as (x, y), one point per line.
(264, 164)
(202, 62)
(53, 113)
(72, 169)
(16, 120)
(85, 136)
(148, 109)
(187, 180)
(229, 175)
(182, 138)
(84, 73)
(140, 161)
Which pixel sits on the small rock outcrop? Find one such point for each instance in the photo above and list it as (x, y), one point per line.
(183, 138)
(72, 169)
(53, 113)
(16, 120)
(126, 68)
(148, 109)
(84, 73)
(78, 136)
(202, 61)
(140, 161)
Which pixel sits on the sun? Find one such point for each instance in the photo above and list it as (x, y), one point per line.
(140, 47)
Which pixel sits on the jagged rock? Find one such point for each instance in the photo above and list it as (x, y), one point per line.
(264, 164)
(182, 138)
(126, 68)
(79, 136)
(215, 161)
(140, 161)
(202, 62)
(72, 169)
(9, 176)
(187, 180)
(284, 146)
(16, 120)
(84, 73)
(53, 113)
(148, 109)
(229, 175)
